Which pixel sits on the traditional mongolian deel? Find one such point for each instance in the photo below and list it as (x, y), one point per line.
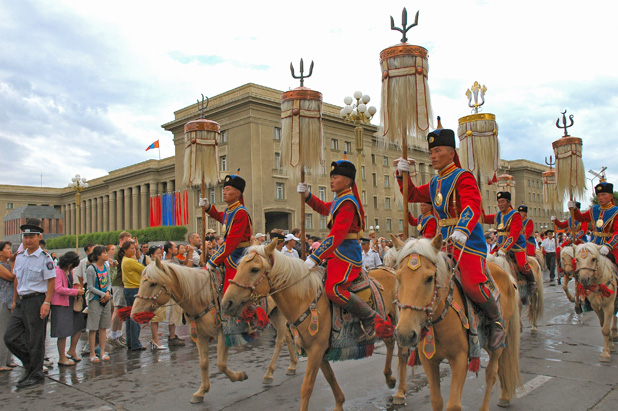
(426, 224)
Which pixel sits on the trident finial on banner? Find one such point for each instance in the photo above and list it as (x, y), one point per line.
(404, 24)
(302, 77)
(201, 106)
(551, 161)
(564, 122)
(474, 92)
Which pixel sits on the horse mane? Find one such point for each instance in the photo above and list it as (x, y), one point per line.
(390, 258)
(502, 263)
(423, 247)
(606, 267)
(289, 270)
(567, 250)
(191, 281)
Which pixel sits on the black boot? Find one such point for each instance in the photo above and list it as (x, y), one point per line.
(364, 312)
(496, 328)
(529, 276)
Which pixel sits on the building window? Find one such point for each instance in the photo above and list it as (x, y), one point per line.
(334, 144)
(363, 173)
(385, 161)
(277, 133)
(374, 178)
(400, 225)
(399, 205)
(213, 197)
(377, 223)
(389, 225)
(322, 222)
(308, 222)
(348, 147)
(279, 191)
(387, 203)
(364, 197)
(322, 193)
(277, 161)
(223, 163)
(375, 202)
(223, 136)
(221, 193)
(322, 170)
(9, 206)
(373, 159)
(387, 181)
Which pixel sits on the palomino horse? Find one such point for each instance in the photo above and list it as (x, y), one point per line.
(265, 271)
(566, 261)
(540, 258)
(597, 281)
(424, 281)
(192, 290)
(536, 301)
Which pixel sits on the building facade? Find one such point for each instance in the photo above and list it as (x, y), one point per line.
(250, 120)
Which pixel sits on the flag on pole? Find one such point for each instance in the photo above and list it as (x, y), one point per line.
(153, 145)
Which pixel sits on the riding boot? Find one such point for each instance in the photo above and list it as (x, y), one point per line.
(529, 276)
(496, 328)
(364, 312)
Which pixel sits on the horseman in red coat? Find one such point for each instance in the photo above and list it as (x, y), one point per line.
(426, 223)
(346, 219)
(527, 230)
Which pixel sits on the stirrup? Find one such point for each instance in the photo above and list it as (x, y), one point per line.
(368, 336)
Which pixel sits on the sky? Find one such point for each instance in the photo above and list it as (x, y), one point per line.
(86, 85)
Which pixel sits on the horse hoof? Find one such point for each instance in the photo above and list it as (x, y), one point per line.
(504, 403)
(399, 400)
(533, 331)
(197, 400)
(612, 348)
(267, 380)
(243, 376)
(605, 358)
(291, 371)
(391, 382)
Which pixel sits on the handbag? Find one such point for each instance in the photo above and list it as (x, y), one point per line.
(78, 303)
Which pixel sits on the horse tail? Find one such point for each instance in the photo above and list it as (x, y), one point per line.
(535, 311)
(508, 364)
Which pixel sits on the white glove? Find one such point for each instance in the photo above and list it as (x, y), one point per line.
(309, 263)
(604, 250)
(501, 253)
(553, 218)
(403, 166)
(571, 204)
(459, 237)
(203, 202)
(302, 188)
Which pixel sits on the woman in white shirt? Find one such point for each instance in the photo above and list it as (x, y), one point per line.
(288, 249)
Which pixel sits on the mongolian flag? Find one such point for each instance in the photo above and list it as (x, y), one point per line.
(153, 145)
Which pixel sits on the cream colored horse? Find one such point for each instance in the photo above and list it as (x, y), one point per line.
(424, 280)
(191, 289)
(265, 271)
(535, 302)
(597, 277)
(566, 261)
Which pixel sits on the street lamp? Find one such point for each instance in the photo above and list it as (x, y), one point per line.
(358, 113)
(77, 184)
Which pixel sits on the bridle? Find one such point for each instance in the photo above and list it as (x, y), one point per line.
(156, 304)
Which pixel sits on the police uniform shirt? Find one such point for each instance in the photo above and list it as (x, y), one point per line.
(32, 271)
(371, 259)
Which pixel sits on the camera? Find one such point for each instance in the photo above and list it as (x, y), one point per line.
(210, 238)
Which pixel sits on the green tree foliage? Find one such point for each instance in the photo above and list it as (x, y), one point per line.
(145, 235)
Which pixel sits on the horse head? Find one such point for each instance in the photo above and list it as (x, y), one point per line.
(587, 259)
(154, 288)
(566, 260)
(248, 284)
(418, 266)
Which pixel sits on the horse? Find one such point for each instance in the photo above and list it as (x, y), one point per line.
(597, 277)
(295, 288)
(424, 281)
(566, 261)
(536, 301)
(191, 289)
(540, 258)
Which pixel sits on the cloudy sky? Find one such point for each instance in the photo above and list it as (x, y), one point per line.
(86, 85)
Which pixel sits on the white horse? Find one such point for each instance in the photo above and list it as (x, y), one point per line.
(597, 282)
(566, 261)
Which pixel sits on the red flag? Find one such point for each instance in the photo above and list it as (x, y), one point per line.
(152, 223)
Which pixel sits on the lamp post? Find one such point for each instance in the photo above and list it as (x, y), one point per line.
(77, 184)
(358, 113)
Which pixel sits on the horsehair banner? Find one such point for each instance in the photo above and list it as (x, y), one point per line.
(169, 209)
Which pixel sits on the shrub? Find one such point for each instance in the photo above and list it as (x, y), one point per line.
(144, 235)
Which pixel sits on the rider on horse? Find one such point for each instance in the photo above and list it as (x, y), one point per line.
(346, 218)
(426, 223)
(236, 227)
(577, 226)
(509, 225)
(603, 216)
(527, 230)
(456, 198)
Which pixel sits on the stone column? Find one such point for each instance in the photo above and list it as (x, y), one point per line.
(67, 219)
(119, 210)
(105, 216)
(127, 209)
(135, 207)
(82, 217)
(112, 211)
(100, 228)
(145, 206)
(170, 186)
(88, 216)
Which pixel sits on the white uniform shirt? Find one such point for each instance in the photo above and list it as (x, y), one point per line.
(371, 260)
(32, 271)
(290, 253)
(549, 245)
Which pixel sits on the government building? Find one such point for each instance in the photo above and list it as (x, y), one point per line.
(250, 120)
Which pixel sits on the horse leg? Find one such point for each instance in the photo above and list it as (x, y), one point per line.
(334, 385)
(607, 312)
(222, 352)
(459, 369)
(388, 372)
(491, 374)
(614, 328)
(202, 348)
(278, 322)
(432, 371)
(565, 287)
(314, 358)
(291, 350)
(402, 356)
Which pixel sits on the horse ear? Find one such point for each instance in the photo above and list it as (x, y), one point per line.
(436, 243)
(397, 242)
(271, 247)
(158, 263)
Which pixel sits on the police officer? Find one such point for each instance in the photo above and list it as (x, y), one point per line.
(35, 280)
(371, 259)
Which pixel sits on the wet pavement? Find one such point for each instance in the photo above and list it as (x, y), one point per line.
(560, 367)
